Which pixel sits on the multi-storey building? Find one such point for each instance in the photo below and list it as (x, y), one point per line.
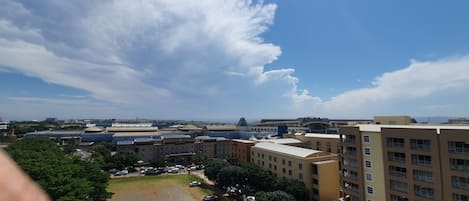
(318, 170)
(405, 162)
(241, 150)
(213, 147)
(322, 142)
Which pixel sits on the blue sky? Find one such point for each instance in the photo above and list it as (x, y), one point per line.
(225, 59)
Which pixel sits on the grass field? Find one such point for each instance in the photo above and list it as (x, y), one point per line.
(157, 188)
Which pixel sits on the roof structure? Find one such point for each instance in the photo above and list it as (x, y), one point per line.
(244, 141)
(125, 142)
(282, 141)
(221, 127)
(438, 127)
(285, 149)
(320, 135)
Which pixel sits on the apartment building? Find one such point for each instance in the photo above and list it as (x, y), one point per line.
(318, 170)
(213, 147)
(241, 150)
(322, 142)
(405, 162)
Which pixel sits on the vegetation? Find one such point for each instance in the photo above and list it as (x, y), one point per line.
(63, 177)
(274, 196)
(20, 128)
(254, 178)
(124, 159)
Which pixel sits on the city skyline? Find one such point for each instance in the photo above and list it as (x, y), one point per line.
(227, 59)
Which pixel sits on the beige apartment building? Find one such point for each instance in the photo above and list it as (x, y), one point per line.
(241, 150)
(322, 142)
(405, 162)
(318, 170)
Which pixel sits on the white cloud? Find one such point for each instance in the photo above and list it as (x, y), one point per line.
(396, 91)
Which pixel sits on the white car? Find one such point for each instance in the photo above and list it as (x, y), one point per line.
(195, 183)
(250, 198)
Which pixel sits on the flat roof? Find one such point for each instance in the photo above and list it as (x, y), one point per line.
(243, 141)
(286, 149)
(438, 127)
(324, 162)
(125, 142)
(282, 140)
(175, 136)
(136, 134)
(131, 129)
(319, 135)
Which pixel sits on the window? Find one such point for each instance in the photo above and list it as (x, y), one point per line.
(422, 145)
(283, 170)
(328, 147)
(395, 142)
(460, 182)
(397, 171)
(366, 139)
(424, 191)
(421, 160)
(275, 167)
(421, 175)
(289, 172)
(289, 163)
(458, 147)
(258, 155)
(351, 151)
(318, 145)
(270, 158)
(398, 198)
(351, 162)
(350, 174)
(283, 161)
(315, 181)
(369, 177)
(262, 163)
(300, 177)
(399, 186)
(300, 166)
(262, 155)
(258, 162)
(315, 169)
(350, 139)
(396, 157)
(275, 159)
(368, 151)
(368, 164)
(459, 164)
(460, 197)
(369, 190)
(270, 165)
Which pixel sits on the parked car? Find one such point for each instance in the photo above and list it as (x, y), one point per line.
(179, 166)
(195, 183)
(210, 198)
(113, 171)
(193, 168)
(251, 198)
(152, 172)
(122, 172)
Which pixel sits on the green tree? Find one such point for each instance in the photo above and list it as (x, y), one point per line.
(231, 175)
(274, 196)
(64, 178)
(213, 167)
(125, 159)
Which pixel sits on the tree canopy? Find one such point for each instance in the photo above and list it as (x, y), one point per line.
(63, 177)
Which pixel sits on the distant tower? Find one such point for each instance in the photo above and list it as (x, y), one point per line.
(242, 122)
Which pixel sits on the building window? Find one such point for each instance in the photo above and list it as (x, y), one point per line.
(289, 172)
(369, 177)
(396, 157)
(318, 145)
(270, 165)
(300, 166)
(366, 139)
(399, 186)
(270, 158)
(368, 164)
(398, 198)
(369, 190)
(275, 167)
(424, 191)
(258, 155)
(283, 161)
(258, 162)
(300, 177)
(421, 175)
(262, 155)
(459, 165)
(421, 145)
(314, 169)
(289, 163)
(460, 197)
(421, 160)
(397, 171)
(367, 151)
(395, 142)
(351, 163)
(351, 151)
(458, 147)
(315, 181)
(460, 182)
(328, 147)
(350, 139)
(262, 163)
(275, 159)
(283, 170)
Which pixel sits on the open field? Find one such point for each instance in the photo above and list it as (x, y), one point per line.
(157, 188)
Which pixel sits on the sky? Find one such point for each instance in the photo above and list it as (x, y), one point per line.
(212, 59)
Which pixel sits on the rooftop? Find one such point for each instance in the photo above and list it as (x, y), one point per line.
(175, 136)
(438, 127)
(221, 127)
(125, 142)
(136, 134)
(319, 135)
(282, 140)
(243, 141)
(132, 129)
(285, 149)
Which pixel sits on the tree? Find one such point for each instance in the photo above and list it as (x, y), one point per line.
(64, 178)
(274, 196)
(213, 168)
(125, 159)
(231, 175)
